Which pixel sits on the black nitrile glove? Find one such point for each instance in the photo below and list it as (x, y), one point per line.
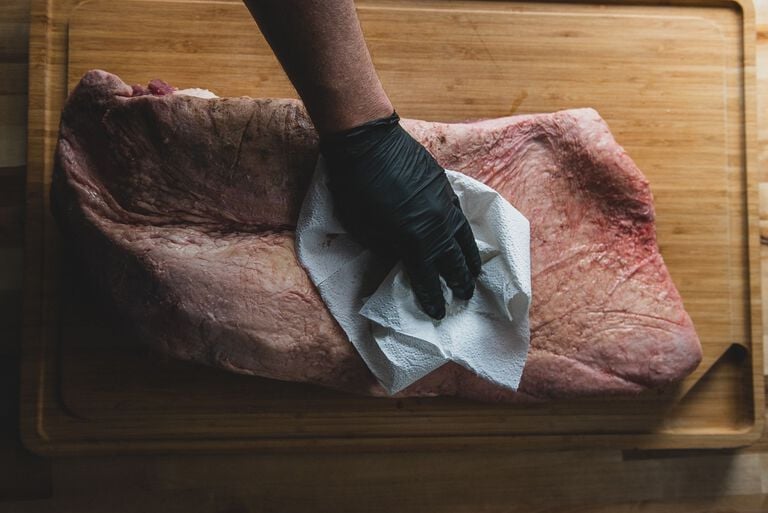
(393, 197)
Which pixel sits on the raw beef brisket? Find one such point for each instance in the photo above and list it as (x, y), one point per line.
(183, 209)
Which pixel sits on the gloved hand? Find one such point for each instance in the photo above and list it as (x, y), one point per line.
(393, 197)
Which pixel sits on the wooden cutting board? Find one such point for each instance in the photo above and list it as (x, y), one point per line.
(674, 82)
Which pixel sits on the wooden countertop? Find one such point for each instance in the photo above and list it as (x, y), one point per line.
(588, 481)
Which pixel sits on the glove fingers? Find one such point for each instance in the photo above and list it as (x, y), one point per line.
(453, 267)
(426, 286)
(466, 240)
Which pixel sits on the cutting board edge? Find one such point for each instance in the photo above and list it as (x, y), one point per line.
(40, 409)
(39, 442)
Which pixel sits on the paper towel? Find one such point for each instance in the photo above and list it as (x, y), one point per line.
(373, 302)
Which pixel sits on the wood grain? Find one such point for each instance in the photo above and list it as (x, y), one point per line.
(578, 481)
(688, 126)
(22, 475)
(668, 482)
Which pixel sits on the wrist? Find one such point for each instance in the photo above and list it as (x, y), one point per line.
(347, 111)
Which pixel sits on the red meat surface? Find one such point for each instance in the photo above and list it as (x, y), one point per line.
(183, 209)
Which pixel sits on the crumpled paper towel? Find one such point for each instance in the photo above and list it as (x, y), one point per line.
(374, 304)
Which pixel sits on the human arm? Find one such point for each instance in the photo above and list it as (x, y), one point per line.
(389, 192)
(321, 47)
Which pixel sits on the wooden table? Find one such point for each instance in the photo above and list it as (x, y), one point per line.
(588, 481)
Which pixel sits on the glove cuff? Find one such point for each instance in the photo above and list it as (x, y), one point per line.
(356, 141)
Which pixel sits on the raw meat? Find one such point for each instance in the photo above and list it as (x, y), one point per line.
(182, 209)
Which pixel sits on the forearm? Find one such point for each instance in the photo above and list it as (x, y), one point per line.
(321, 47)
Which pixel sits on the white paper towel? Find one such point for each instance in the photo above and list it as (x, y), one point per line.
(376, 308)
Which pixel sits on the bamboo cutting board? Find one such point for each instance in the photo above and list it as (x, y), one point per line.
(674, 82)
